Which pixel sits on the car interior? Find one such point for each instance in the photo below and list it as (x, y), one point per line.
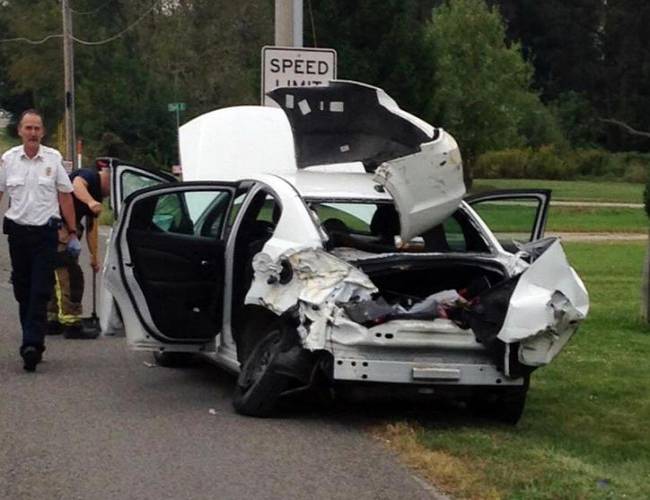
(256, 228)
(180, 273)
(381, 233)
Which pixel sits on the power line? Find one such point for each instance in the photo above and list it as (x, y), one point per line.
(84, 42)
(114, 37)
(31, 42)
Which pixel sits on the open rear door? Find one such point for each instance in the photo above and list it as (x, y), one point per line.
(515, 216)
(167, 266)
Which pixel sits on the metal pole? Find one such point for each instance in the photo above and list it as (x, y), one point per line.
(68, 75)
(297, 23)
(288, 23)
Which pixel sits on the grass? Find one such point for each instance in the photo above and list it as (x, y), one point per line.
(584, 431)
(507, 218)
(619, 192)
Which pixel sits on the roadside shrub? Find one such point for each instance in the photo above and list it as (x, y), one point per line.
(545, 163)
(591, 162)
(508, 163)
(636, 172)
(637, 166)
(556, 163)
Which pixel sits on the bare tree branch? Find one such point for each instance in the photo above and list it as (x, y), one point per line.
(625, 126)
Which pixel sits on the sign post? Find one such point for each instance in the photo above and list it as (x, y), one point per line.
(176, 107)
(295, 67)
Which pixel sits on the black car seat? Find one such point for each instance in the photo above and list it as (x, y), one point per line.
(435, 240)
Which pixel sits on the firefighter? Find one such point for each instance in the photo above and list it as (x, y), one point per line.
(37, 184)
(90, 185)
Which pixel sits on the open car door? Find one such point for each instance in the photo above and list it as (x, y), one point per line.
(515, 216)
(126, 179)
(166, 266)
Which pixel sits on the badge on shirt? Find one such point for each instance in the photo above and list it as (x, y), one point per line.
(48, 171)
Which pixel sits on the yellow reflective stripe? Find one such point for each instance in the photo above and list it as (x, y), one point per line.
(64, 319)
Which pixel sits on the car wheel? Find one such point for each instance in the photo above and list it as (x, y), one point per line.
(173, 359)
(504, 405)
(259, 385)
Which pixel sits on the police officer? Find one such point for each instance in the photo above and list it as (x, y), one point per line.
(37, 184)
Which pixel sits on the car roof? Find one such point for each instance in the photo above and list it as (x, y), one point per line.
(348, 183)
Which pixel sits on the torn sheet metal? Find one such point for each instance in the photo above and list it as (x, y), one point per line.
(316, 281)
(545, 308)
(317, 277)
(427, 186)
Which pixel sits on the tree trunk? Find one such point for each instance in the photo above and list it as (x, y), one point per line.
(645, 285)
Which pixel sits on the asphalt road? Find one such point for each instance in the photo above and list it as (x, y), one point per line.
(99, 422)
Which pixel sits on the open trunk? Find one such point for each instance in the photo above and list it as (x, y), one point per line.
(406, 280)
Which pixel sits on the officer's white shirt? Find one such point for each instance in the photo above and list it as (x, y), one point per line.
(33, 184)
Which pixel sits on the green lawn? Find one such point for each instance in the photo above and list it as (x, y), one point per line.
(622, 192)
(511, 219)
(584, 433)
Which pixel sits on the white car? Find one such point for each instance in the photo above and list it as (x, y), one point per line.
(328, 239)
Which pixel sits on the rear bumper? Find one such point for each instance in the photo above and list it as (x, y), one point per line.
(413, 352)
(420, 372)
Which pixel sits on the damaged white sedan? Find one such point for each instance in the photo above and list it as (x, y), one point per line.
(328, 240)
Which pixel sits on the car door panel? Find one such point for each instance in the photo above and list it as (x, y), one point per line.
(166, 276)
(182, 280)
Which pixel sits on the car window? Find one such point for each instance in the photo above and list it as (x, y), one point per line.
(455, 235)
(200, 213)
(374, 227)
(236, 206)
(132, 181)
(510, 220)
(357, 217)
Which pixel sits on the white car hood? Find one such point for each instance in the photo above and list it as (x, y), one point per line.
(236, 143)
(419, 165)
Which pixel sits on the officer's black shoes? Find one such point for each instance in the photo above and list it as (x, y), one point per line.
(54, 328)
(31, 357)
(79, 332)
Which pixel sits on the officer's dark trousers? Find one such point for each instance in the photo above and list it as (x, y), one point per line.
(33, 252)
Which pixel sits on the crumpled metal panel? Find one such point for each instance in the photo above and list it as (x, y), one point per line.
(319, 281)
(427, 186)
(548, 303)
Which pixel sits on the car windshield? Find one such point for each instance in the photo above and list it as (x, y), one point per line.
(373, 226)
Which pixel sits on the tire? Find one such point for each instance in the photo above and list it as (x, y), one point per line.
(505, 405)
(259, 385)
(173, 359)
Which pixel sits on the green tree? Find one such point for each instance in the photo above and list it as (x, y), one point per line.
(380, 42)
(31, 74)
(201, 52)
(481, 91)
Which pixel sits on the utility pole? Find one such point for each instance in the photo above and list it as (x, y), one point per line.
(288, 23)
(68, 75)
